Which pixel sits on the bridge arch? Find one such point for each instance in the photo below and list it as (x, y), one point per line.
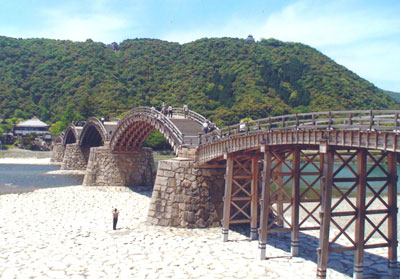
(93, 133)
(71, 135)
(137, 125)
(59, 138)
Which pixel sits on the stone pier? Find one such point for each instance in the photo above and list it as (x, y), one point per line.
(119, 169)
(185, 195)
(74, 157)
(57, 154)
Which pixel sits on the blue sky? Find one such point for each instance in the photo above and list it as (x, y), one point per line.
(362, 35)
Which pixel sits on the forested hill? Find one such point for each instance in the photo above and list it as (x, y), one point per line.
(226, 79)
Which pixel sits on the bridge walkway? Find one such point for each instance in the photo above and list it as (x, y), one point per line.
(190, 129)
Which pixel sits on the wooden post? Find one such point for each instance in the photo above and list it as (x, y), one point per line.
(265, 202)
(296, 203)
(392, 203)
(327, 180)
(254, 198)
(199, 141)
(227, 197)
(279, 185)
(360, 221)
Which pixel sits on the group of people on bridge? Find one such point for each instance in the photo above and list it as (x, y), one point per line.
(208, 126)
(168, 111)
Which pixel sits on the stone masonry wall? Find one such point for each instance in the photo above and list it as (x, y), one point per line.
(119, 169)
(185, 195)
(74, 158)
(57, 154)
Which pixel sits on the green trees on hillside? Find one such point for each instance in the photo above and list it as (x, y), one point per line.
(225, 79)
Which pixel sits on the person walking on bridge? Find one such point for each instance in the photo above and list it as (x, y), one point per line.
(205, 127)
(115, 213)
(185, 110)
(170, 111)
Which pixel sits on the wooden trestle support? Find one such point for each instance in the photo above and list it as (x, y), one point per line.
(302, 190)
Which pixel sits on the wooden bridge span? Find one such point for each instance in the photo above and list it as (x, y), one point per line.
(334, 172)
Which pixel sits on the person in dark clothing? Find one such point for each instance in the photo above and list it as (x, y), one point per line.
(205, 127)
(115, 213)
(170, 111)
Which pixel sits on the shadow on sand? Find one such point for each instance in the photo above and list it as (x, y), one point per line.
(375, 266)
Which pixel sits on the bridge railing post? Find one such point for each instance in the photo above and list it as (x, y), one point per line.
(297, 121)
(330, 120)
(270, 124)
(371, 120)
(396, 117)
(199, 139)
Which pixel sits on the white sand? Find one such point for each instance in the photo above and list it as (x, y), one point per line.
(67, 233)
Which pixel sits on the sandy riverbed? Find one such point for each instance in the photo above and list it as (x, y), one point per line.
(67, 233)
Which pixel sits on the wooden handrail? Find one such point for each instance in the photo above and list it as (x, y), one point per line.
(378, 120)
(99, 124)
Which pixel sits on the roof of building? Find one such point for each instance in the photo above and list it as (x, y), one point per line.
(33, 122)
(250, 39)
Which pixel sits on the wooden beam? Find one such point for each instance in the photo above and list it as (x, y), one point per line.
(227, 198)
(254, 198)
(279, 186)
(392, 203)
(360, 221)
(326, 203)
(265, 201)
(295, 203)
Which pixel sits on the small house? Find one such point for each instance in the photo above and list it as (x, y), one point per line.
(33, 125)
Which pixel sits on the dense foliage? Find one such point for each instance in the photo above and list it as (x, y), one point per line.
(394, 95)
(225, 79)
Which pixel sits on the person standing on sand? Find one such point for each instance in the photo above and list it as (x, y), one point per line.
(115, 213)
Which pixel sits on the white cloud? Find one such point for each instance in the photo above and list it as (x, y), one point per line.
(97, 22)
(327, 25)
(95, 26)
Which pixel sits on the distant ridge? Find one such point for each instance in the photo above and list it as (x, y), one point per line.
(394, 95)
(225, 79)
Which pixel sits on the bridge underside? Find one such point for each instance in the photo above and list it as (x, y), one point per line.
(70, 137)
(293, 189)
(133, 137)
(91, 138)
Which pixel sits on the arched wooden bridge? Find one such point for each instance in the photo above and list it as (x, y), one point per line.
(292, 173)
(129, 133)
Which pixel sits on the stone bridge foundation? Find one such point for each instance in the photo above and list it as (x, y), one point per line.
(119, 169)
(74, 157)
(57, 154)
(185, 195)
